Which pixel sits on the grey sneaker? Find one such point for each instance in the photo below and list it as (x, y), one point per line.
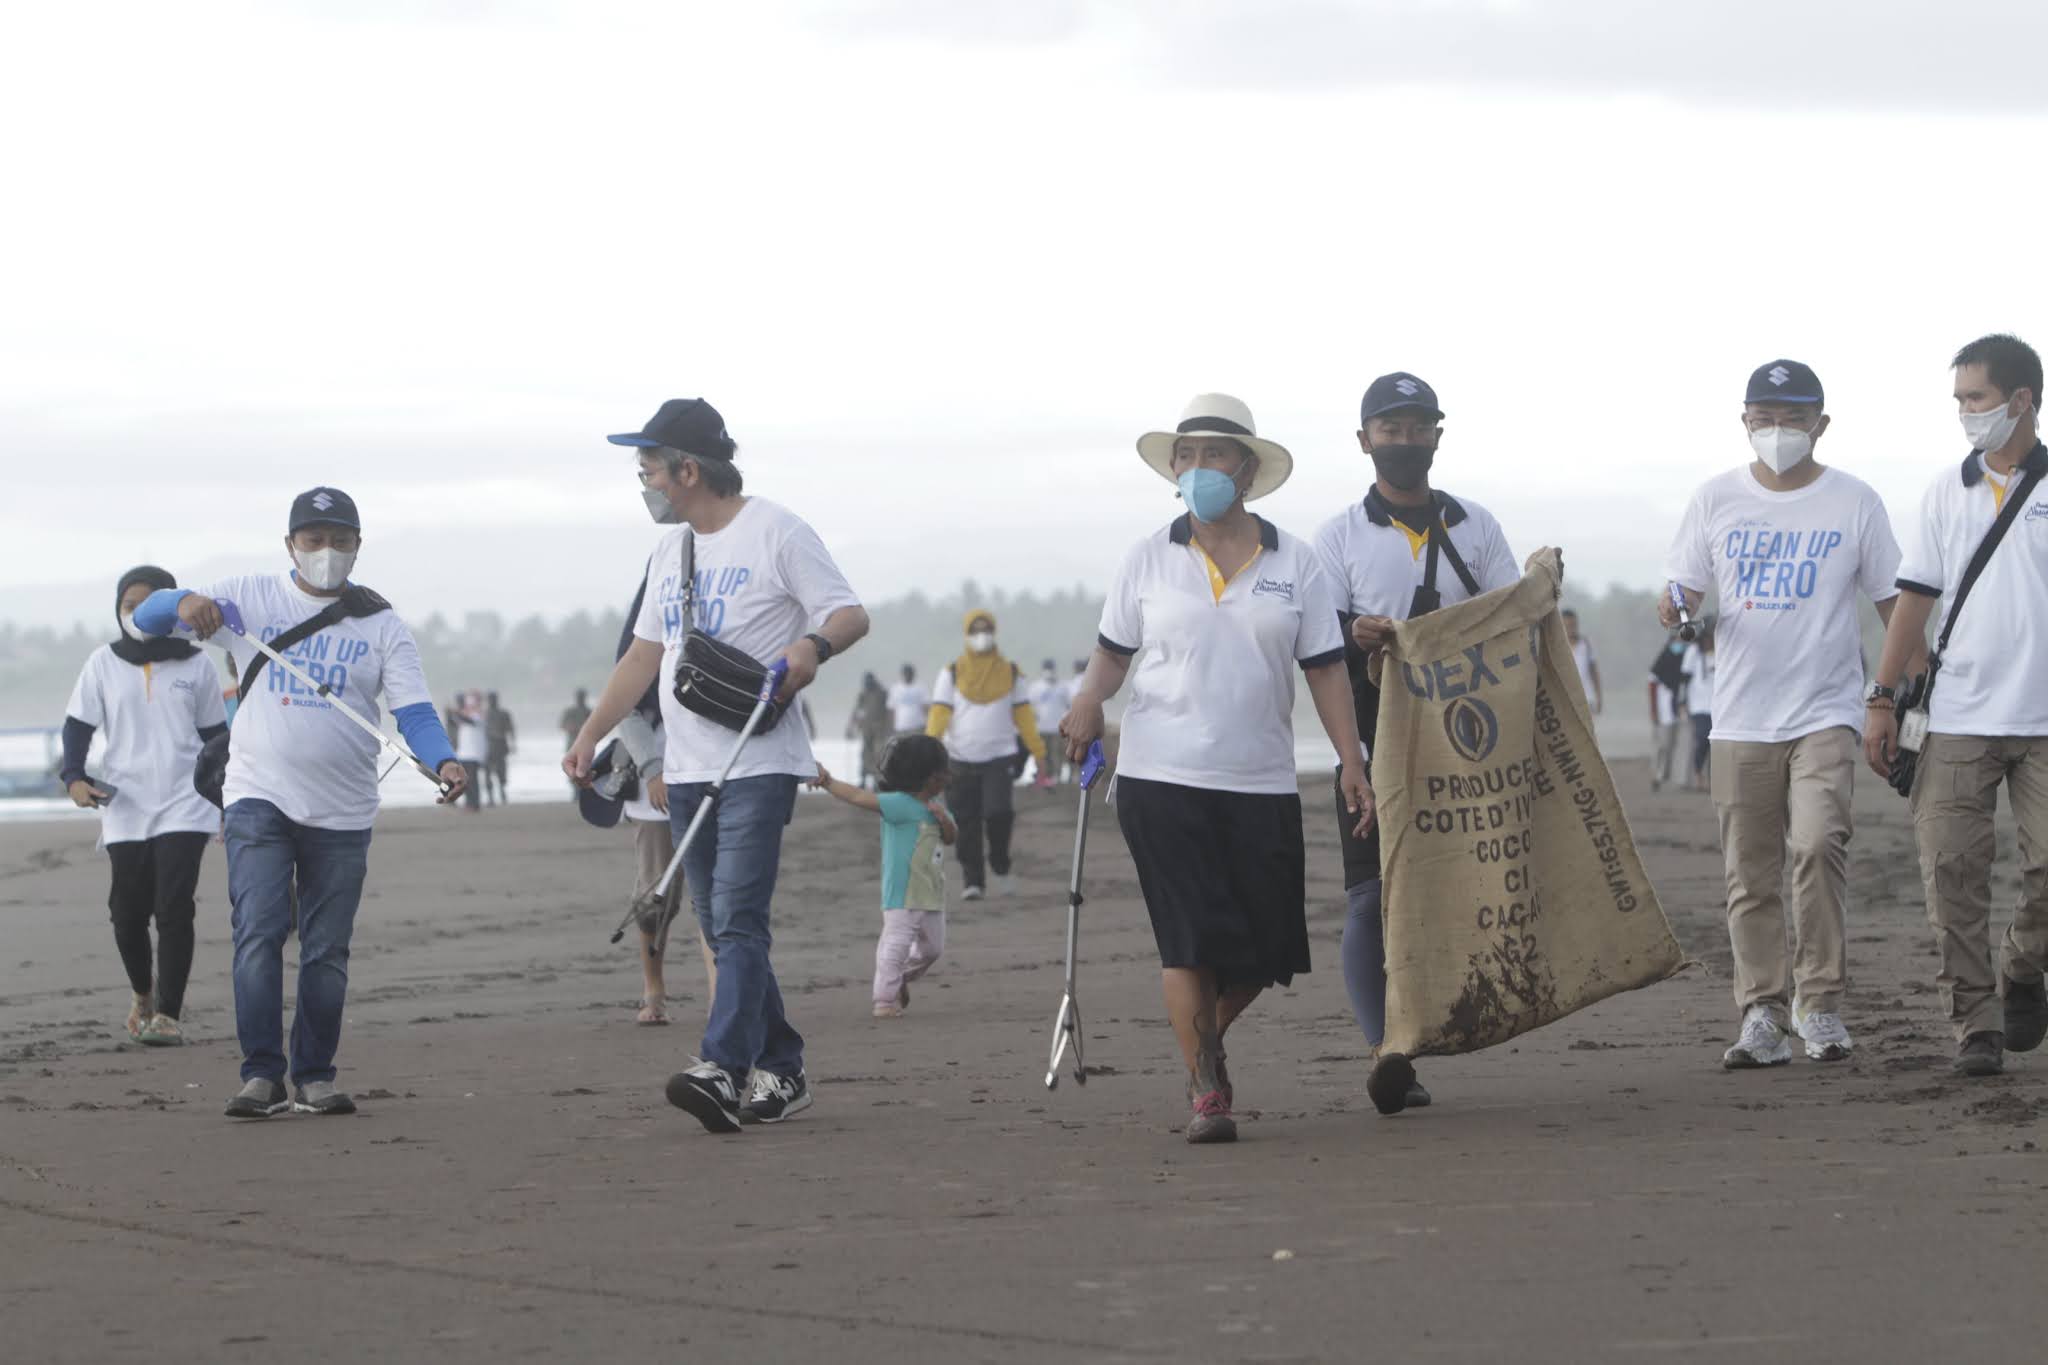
(1982, 1054)
(2026, 1015)
(1211, 1121)
(1006, 884)
(773, 1098)
(1762, 1043)
(320, 1097)
(1827, 1037)
(259, 1099)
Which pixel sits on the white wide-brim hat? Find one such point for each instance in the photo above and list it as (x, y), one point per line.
(1218, 414)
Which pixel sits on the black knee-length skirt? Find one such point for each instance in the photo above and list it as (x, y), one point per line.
(1223, 878)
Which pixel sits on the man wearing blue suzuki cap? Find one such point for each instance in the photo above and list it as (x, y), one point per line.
(1401, 551)
(762, 584)
(1788, 544)
(300, 791)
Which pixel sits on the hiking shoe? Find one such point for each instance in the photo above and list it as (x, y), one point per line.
(2026, 1014)
(1982, 1054)
(708, 1092)
(1762, 1043)
(320, 1097)
(970, 893)
(1391, 1083)
(1212, 1121)
(259, 1099)
(773, 1098)
(1827, 1038)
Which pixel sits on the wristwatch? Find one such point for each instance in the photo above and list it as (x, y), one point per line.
(821, 644)
(1879, 692)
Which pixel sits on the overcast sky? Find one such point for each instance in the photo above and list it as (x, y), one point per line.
(940, 262)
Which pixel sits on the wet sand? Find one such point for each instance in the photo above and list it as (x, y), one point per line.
(516, 1186)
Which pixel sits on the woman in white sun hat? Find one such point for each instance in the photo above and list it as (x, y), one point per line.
(1209, 617)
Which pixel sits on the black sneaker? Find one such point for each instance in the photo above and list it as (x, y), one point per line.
(320, 1097)
(707, 1091)
(1982, 1054)
(1391, 1082)
(773, 1098)
(1418, 1098)
(259, 1099)
(2026, 1014)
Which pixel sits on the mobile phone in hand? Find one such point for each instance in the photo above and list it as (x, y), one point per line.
(108, 791)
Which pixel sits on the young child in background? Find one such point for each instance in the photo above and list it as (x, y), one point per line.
(915, 826)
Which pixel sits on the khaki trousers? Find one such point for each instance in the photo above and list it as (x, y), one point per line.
(1955, 804)
(1783, 803)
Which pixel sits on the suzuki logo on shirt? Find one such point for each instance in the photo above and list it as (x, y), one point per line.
(1776, 569)
(1282, 588)
(715, 588)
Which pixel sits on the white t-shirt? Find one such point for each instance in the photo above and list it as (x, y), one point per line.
(1699, 681)
(1787, 567)
(980, 732)
(1582, 655)
(1212, 688)
(1049, 702)
(149, 717)
(1992, 672)
(763, 583)
(907, 701)
(318, 769)
(472, 741)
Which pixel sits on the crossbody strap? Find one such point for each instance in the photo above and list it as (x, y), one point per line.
(689, 554)
(312, 625)
(1439, 534)
(1975, 569)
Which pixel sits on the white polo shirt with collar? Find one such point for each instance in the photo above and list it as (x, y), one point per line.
(1377, 562)
(1212, 688)
(1991, 674)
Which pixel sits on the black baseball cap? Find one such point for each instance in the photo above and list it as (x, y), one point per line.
(690, 425)
(1785, 381)
(324, 507)
(1397, 390)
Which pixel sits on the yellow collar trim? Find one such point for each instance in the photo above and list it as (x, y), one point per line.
(1218, 580)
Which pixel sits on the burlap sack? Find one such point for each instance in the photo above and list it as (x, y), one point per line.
(1514, 894)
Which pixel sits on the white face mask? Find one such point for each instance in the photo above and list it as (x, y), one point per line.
(1989, 431)
(981, 641)
(658, 507)
(325, 570)
(128, 628)
(1781, 447)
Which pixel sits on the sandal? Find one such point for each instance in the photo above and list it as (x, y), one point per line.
(139, 1014)
(653, 1010)
(161, 1031)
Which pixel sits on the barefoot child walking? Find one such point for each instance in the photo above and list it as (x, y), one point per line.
(914, 826)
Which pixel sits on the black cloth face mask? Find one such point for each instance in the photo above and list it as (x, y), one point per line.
(1405, 467)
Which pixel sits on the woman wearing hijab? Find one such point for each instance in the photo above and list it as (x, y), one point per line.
(1225, 606)
(154, 703)
(983, 711)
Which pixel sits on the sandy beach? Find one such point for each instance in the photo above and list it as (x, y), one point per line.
(516, 1186)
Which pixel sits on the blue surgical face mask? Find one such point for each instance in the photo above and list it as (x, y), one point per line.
(1207, 492)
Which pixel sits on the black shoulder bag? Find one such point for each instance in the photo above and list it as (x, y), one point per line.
(1916, 696)
(210, 772)
(713, 679)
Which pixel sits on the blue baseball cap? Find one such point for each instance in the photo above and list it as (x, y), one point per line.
(1397, 390)
(1785, 381)
(690, 425)
(324, 507)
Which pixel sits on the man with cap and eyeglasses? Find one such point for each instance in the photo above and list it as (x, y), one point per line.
(1401, 551)
(764, 585)
(300, 792)
(1787, 544)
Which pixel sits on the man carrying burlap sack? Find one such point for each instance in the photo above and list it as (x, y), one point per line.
(1514, 893)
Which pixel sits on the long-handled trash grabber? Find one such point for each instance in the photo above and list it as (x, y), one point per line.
(231, 617)
(652, 897)
(1066, 1025)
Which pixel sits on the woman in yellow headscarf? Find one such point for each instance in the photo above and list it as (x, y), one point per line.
(980, 708)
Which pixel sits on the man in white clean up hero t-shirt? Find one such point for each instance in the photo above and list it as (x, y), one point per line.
(765, 586)
(1788, 544)
(1988, 716)
(301, 790)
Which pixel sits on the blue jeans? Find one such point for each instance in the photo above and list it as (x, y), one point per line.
(731, 870)
(1365, 960)
(277, 866)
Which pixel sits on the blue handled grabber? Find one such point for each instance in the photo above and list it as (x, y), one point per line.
(1066, 1025)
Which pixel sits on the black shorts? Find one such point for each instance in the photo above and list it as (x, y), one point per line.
(1223, 878)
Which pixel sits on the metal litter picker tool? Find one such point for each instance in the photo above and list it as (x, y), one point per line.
(651, 899)
(1066, 1026)
(231, 617)
(1688, 629)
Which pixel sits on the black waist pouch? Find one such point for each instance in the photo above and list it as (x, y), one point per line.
(722, 684)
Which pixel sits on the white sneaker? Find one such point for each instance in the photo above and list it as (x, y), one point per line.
(1762, 1043)
(1006, 884)
(971, 893)
(1827, 1037)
